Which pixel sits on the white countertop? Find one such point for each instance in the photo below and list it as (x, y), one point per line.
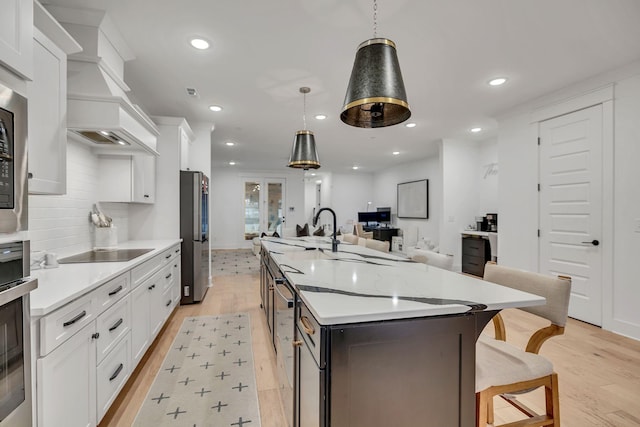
(59, 286)
(357, 284)
(475, 233)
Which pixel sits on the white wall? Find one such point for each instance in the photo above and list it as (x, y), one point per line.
(623, 315)
(385, 187)
(227, 204)
(349, 195)
(460, 197)
(518, 196)
(487, 181)
(61, 224)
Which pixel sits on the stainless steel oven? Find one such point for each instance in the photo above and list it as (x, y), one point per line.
(15, 336)
(13, 161)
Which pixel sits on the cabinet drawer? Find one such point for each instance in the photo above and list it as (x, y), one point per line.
(145, 270)
(112, 325)
(62, 324)
(166, 277)
(112, 374)
(473, 265)
(113, 291)
(311, 332)
(474, 247)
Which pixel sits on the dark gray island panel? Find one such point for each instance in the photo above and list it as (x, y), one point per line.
(390, 373)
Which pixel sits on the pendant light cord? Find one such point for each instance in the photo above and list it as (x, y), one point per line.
(304, 110)
(375, 19)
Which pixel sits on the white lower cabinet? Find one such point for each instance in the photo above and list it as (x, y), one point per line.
(89, 347)
(66, 382)
(112, 374)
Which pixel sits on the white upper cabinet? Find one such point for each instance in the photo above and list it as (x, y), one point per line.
(127, 178)
(16, 34)
(47, 141)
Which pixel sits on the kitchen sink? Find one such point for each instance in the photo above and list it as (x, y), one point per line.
(308, 255)
(117, 255)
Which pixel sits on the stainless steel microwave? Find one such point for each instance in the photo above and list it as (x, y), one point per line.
(13, 161)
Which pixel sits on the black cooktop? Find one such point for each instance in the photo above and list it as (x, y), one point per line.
(118, 255)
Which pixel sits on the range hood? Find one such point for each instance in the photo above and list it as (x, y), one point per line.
(99, 110)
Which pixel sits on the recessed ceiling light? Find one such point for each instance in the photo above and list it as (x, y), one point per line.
(230, 144)
(232, 163)
(313, 174)
(395, 153)
(355, 168)
(497, 81)
(410, 125)
(321, 116)
(215, 108)
(199, 43)
(475, 130)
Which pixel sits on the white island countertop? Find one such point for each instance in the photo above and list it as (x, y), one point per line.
(61, 285)
(357, 284)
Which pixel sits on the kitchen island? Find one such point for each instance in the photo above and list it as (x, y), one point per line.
(378, 340)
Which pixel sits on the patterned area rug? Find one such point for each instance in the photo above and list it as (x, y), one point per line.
(235, 261)
(207, 378)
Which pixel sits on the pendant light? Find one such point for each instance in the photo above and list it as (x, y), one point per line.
(304, 154)
(375, 96)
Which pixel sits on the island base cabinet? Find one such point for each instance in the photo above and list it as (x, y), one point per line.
(397, 373)
(66, 380)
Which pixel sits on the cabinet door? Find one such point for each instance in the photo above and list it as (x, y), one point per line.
(16, 33)
(66, 383)
(47, 113)
(175, 271)
(140, 329)
(144, 179)
(156, 302)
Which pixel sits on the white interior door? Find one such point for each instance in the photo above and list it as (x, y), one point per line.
(274, 203)
(571, 207)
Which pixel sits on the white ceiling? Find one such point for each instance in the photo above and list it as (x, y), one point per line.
(262, 52)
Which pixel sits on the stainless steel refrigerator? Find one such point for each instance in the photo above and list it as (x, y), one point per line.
(194, 231)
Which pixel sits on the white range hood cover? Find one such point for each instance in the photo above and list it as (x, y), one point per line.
(98, 108)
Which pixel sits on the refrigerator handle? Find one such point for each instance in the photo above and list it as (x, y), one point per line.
(197, 205)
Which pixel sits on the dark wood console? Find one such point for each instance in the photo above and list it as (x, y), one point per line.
(476, 251)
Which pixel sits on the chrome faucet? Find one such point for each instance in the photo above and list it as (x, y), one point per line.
(334, 241)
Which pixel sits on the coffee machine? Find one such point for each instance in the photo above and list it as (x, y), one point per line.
(481, 223)
(492, 222)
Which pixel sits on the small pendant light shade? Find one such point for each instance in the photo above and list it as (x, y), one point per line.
(375, 96)
(304, 154)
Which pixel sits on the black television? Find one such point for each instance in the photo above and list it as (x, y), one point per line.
(384, 215)
(367, 217)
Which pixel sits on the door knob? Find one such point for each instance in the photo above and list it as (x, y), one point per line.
(593, 242)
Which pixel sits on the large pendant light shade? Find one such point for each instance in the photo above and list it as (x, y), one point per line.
(304, 154)
(375, 96)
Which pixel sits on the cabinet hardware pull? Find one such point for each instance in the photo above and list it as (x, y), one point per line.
(146, 196)
(271, 287)
(168, 256)
(167, 276)
(75, 319)
(116, 373)
(306, 325)
(168, 303)
(175, 265)
(115, 291)
(95, 336)
(177, 250)
(297, 343)
(30, 175)
(115, 325)
(593, 242)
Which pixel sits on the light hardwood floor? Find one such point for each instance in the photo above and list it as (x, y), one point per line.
(599, 372)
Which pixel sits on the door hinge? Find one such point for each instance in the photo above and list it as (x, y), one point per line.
(538, 140)
(538, 187)
(538, 232)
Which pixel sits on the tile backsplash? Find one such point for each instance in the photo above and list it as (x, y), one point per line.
(61, 224)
